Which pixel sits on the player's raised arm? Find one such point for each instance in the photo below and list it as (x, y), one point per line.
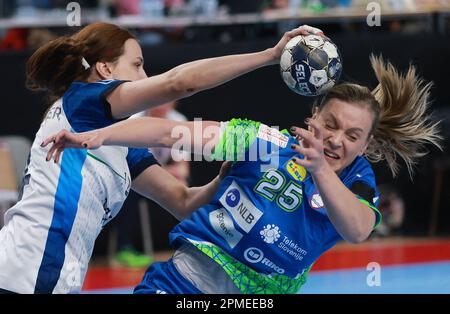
(190, 78)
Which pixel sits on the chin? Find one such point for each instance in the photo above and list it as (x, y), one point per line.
(335, 166)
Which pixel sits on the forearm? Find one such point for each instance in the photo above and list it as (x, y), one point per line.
(183, 81)
(157, 184)
(196, 197)
(353, 220)
(204, 74)
(181, 201)
(155, 132)
(139, 132)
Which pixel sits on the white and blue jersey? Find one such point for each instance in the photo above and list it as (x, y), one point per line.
(267, 224)
(49, 235)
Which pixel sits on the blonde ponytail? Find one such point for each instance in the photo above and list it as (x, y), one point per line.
(404, 127)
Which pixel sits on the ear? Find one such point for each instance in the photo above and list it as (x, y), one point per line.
(104, 70)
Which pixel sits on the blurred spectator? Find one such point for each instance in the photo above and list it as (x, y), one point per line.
(286, 6)
(275, 5)
(15, 39)
(63, 3)
(392, 207)
(239, 6)
(175, 7)
(38, 37)
(21, 38)
(127, 7)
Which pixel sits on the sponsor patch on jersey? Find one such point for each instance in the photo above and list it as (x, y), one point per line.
(254, 255)
(296, 171)
(223, 224)
(241, 207)
(316, 201)
(272, 135)
(270, 233)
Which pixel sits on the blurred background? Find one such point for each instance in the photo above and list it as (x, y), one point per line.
(176, 31)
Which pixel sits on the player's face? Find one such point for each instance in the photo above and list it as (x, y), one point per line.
(346, 128)
(130, 65)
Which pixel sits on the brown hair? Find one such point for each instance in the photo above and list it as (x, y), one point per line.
(54, 66)
(401, 125)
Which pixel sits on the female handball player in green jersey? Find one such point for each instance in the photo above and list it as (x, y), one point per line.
(286, 199)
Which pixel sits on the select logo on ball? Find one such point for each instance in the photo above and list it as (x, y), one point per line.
(310, 65)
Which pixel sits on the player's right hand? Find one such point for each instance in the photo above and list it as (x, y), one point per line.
(224, 169)
(304, 30)
(65, 139)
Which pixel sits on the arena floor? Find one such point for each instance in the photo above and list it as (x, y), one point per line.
(407, 266)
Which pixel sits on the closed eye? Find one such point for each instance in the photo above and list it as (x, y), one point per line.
(353, 138)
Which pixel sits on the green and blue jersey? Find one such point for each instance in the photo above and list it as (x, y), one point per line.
(267, 224)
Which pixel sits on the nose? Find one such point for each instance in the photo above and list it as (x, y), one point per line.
(143, 74)
(336, 140)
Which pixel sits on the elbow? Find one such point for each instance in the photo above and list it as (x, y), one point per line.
(169, 134)
(355, 239)
(180, 84)
(357, 236)
(167, 140)
(178, 211)
(361, 227)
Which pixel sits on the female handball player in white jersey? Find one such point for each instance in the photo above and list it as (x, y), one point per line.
(96, 78)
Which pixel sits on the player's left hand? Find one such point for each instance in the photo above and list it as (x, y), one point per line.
(302, 30)
(66, 139)
(311, 146)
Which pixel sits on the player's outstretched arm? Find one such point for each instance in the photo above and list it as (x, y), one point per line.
(192, 136)
(190, 78)
(213, 140)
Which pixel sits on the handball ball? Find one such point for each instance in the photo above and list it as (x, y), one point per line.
(310, 65)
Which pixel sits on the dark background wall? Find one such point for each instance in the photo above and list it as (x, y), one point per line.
(261, 95)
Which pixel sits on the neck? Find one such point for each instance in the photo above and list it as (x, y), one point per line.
(94, 77)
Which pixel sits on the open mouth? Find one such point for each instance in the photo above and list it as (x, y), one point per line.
(330, 154)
